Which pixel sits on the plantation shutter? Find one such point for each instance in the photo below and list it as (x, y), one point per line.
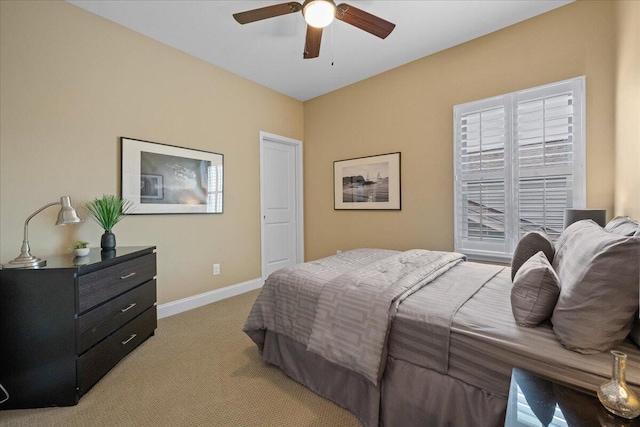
(214, 185)
(547, 125)
(482, 150)
(519, 163)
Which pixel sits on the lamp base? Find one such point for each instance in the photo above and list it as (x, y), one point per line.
(28, 261)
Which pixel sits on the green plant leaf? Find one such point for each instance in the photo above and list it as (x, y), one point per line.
(108, 210)
(79, 245)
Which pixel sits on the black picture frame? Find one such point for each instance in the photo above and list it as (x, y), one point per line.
(167, 179)
(368, 183)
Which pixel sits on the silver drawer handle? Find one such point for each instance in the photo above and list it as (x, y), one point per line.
(128, 275)
(6, 393)
(129, 339)
(128, 308)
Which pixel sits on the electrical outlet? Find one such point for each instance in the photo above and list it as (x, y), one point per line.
(338, 252)
(216, 269)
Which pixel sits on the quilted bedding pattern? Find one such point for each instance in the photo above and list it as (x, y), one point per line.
(342, 307)
(355, 310)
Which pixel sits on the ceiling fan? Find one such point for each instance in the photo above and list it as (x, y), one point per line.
(318, 14)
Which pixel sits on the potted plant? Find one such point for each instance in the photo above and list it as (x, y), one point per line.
(80, 248)
(107, 212)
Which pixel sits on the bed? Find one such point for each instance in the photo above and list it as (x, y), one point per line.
(440, 350)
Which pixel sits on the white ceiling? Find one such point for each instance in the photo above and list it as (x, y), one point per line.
(269, 52)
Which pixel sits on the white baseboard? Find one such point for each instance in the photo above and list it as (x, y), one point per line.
(189, 303)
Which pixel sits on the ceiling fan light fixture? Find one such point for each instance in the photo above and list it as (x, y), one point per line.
(319, 13)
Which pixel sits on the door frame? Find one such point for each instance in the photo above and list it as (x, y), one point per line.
(297, 144)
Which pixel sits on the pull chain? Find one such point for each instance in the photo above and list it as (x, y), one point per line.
(332, 45)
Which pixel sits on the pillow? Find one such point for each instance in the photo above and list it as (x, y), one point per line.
(535, 291)
(598, 274)
(622, 225)
(530, 244)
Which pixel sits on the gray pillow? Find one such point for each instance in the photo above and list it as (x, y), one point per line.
(535, 291)
(622, 225)
(529, 245)
(598, 274)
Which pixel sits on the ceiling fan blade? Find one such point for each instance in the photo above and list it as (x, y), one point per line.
(312, 44)
(267, 12)
(364, 20)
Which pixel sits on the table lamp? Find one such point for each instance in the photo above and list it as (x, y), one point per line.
(66, 216)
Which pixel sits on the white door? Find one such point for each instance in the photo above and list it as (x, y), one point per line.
(281, 188)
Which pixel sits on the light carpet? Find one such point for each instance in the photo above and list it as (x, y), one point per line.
(199, 369)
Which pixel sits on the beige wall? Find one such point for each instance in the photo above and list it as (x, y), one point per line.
(627, 194)
(71, 84)
(410, 109)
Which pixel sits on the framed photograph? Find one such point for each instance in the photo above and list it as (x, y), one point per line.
(164, 179)
(367, 182)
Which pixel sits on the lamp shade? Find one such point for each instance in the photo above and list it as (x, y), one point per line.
(319, 13)
(599, 216)
(67, 214)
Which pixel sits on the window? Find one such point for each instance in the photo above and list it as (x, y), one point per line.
(519, 163)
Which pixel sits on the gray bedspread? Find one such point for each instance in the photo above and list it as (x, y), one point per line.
(287, 303)
(342, 307)
(355, 310)
(422, 328)
(450, 348)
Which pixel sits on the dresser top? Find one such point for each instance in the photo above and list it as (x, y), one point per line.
(96, 259)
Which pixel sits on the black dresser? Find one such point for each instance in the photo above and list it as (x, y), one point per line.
(64, 326)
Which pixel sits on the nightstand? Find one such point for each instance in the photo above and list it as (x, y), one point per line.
(535, 401)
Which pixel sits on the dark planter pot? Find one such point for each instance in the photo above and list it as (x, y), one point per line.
(108, 241)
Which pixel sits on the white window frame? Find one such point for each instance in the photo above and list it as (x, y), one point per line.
(502, 251)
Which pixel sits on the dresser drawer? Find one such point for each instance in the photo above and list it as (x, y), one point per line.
(100, 359)
(96, 324)
(102, 285)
